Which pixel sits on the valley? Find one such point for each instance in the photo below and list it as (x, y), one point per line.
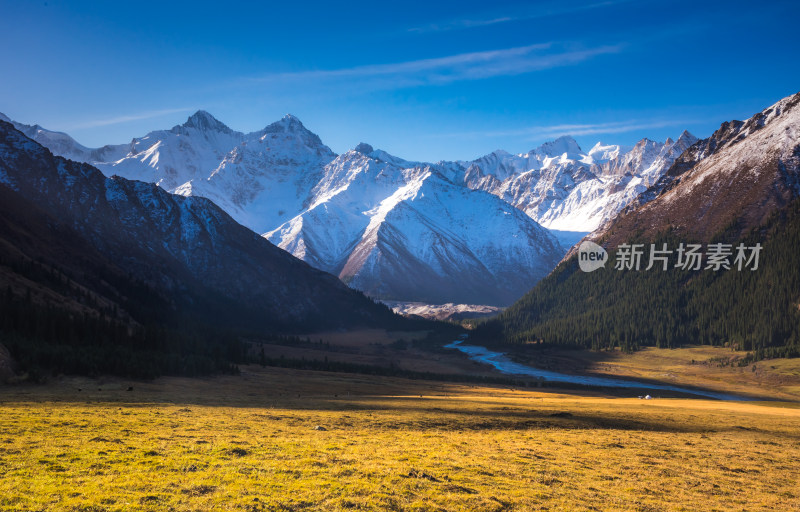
(439, 256)
(711, 368)
(276, 439)
(714, 370)
(467, 232)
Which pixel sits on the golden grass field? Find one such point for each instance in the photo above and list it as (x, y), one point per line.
(713, 368)
(248, 443)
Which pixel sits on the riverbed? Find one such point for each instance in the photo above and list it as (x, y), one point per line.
(502, 363)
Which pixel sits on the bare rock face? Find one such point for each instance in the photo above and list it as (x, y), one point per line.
(735, 179)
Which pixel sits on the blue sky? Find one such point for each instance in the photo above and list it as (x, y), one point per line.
(424, 81)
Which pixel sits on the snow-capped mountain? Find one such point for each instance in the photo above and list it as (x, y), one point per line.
(732, 181)
(443, 232)
(564, 188)
(261, 178)
(266, 178)
(61, 144)
(735, 194)
(170, 158)
(398, 230)
(185, 250)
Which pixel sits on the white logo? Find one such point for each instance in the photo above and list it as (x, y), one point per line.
(591, 256)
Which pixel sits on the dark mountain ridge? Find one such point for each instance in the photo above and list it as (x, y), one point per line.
(738, 186)
(132, 255)
(740, 175)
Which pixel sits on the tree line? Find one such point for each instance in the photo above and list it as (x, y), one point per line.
(753, 310)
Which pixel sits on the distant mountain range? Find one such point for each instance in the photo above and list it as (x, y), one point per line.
(564, 188)
(462, 232)
(90, 257)
(739, 186)
(402, 231)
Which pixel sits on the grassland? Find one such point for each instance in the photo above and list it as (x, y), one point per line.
(250, 443)
(713, 368)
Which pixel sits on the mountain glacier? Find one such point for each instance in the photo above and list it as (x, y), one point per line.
(464, 232)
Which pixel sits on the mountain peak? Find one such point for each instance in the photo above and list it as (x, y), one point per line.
(603, 152)
(685, 136)
(204, 121)
(601, 146)
(645, 142)
(364, 148)
(289, 124)
(563, 144)
(4, 117)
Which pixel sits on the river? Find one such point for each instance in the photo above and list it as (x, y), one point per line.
(504, 364)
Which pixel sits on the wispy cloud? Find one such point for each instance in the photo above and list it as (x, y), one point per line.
(443, 70)
(150, 114)
(529, 13)
(553, 131)
(464, 23)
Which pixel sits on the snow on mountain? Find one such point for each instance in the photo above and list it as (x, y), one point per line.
(563, 188)
(603, 152)
(59, 143)
(562, 146)
(266, 178)
(730, 182)
(170, 158)
(444, 232)
(261, 179)
(409, 233)
(445, 312)
(352, 184)
(186, 249)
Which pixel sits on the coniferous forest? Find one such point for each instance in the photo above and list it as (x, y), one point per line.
(95, 339)
(757, 311)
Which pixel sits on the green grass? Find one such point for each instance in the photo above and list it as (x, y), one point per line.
(249, 443)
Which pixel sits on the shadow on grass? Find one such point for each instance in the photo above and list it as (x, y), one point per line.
(379, 403)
